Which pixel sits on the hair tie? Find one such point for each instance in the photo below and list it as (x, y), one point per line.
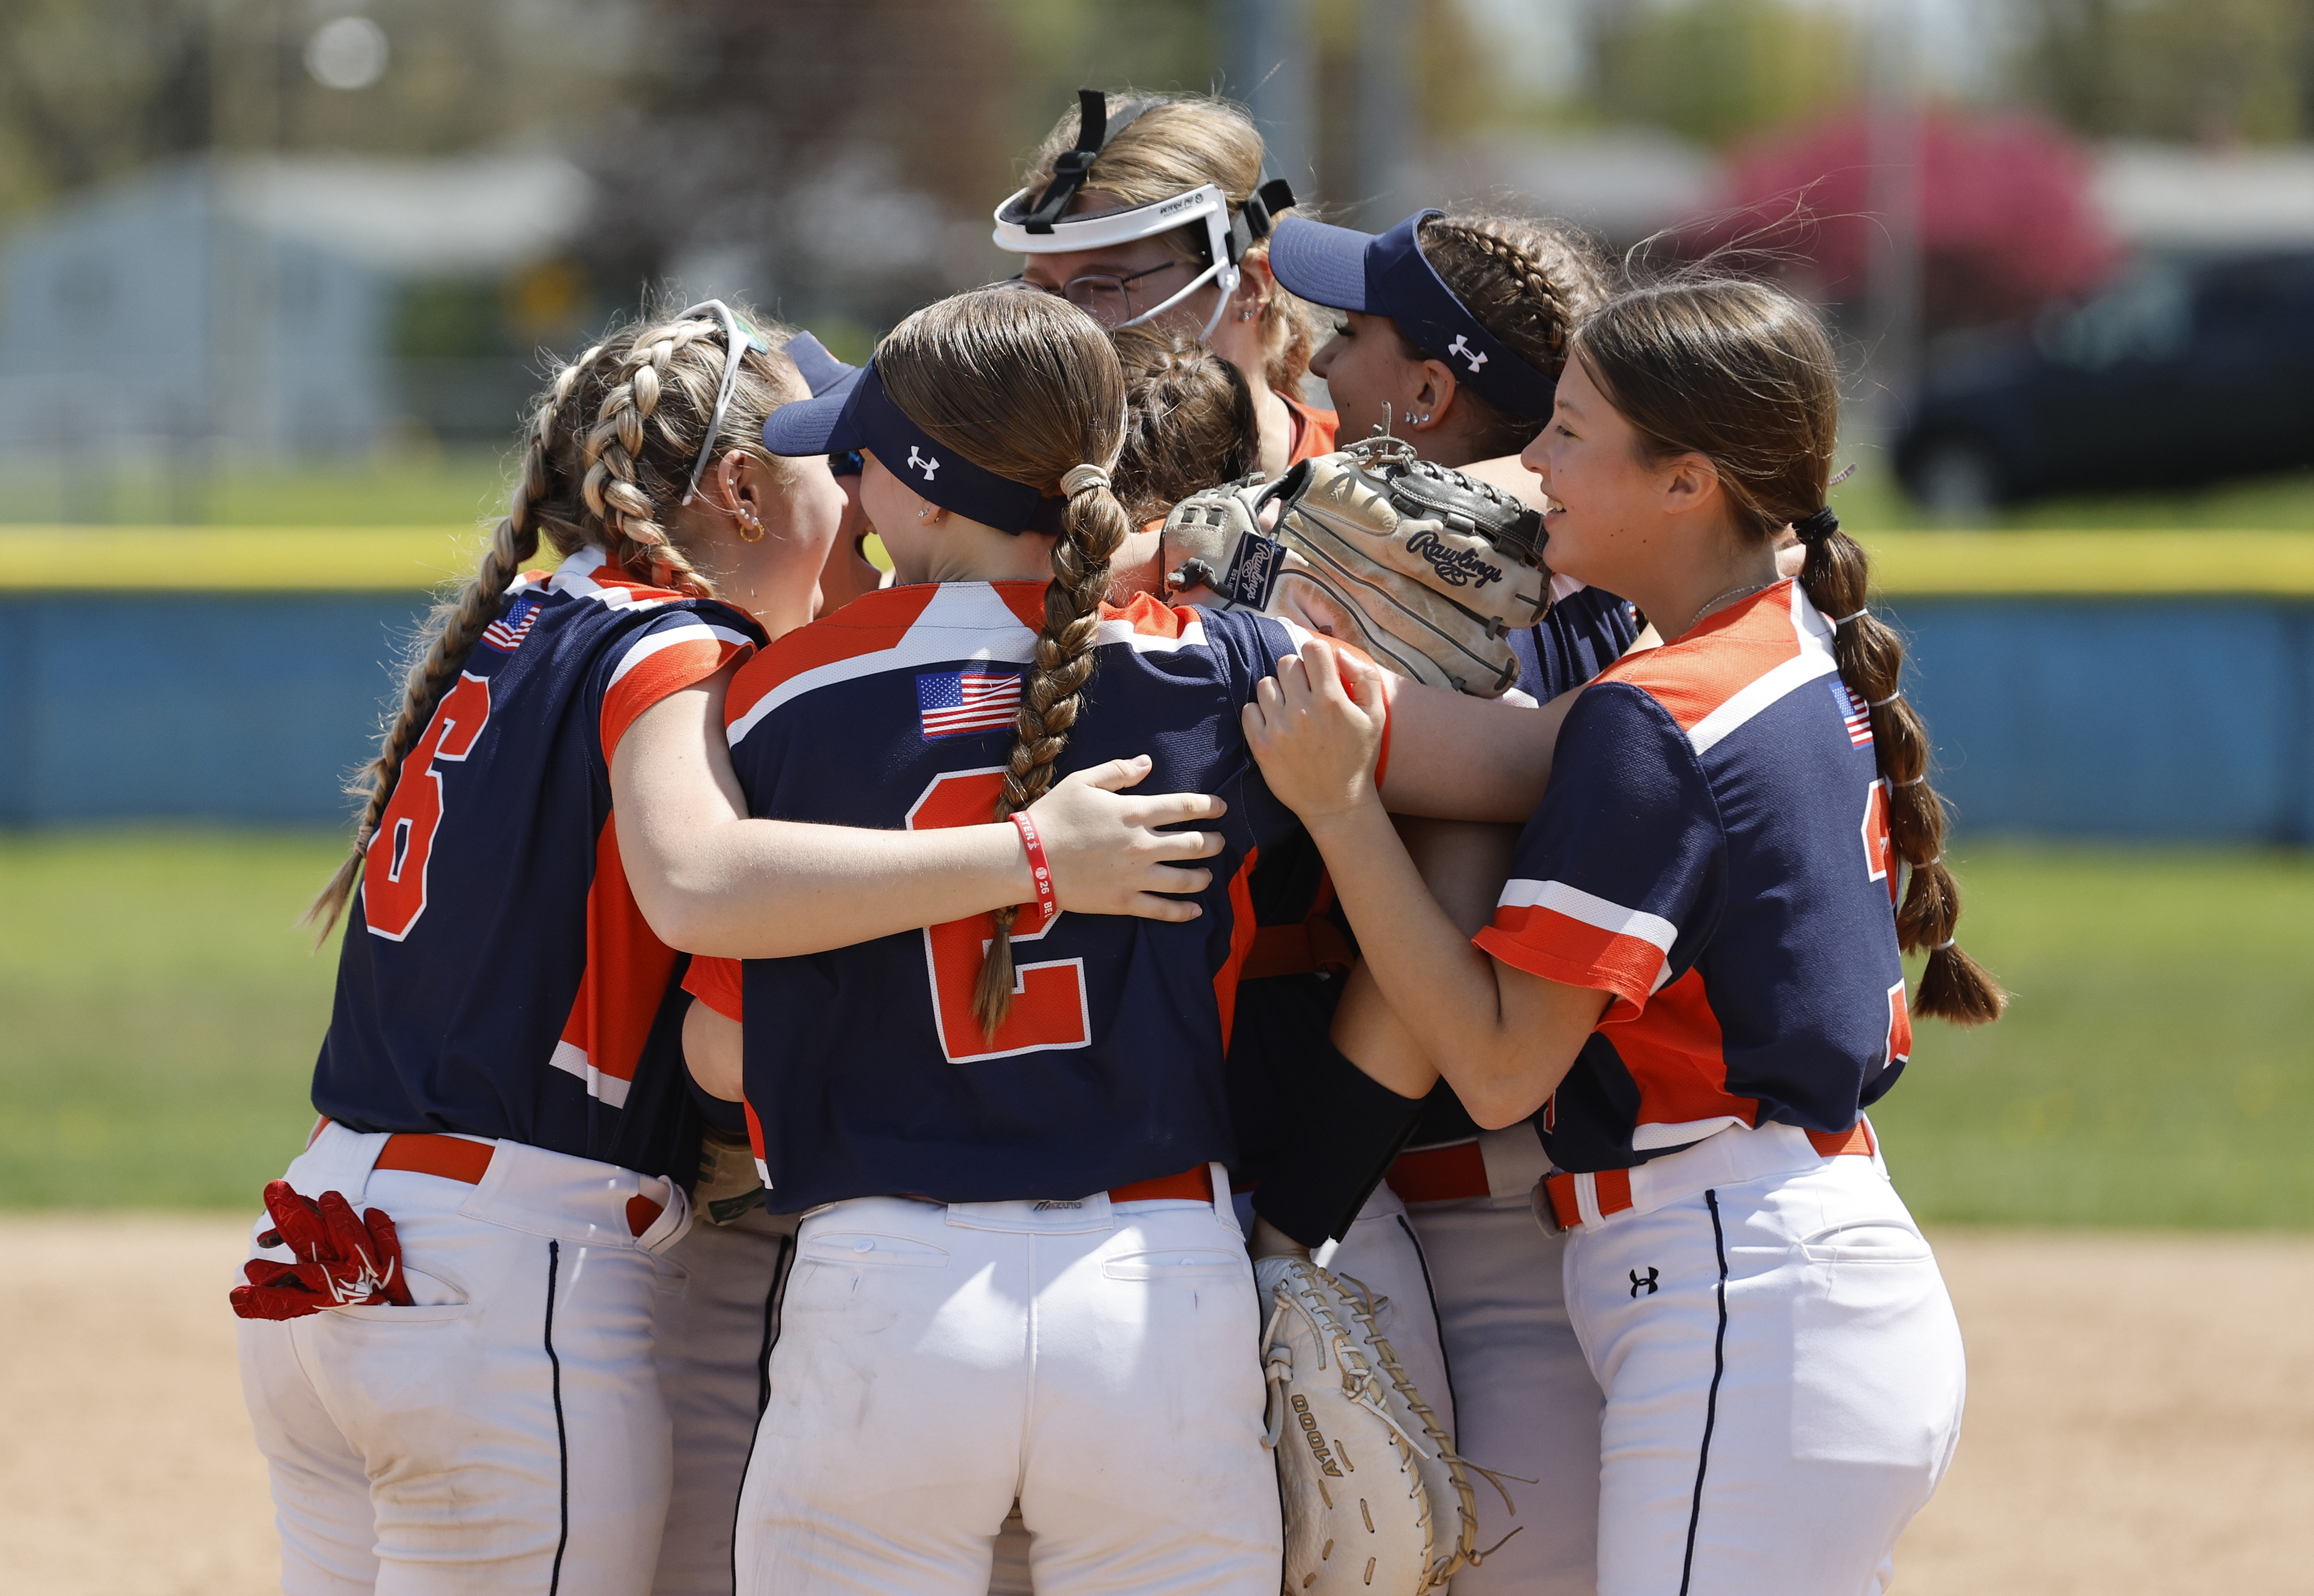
(1081, 478)
(1814, 529)
(1844, 620)
(1882, 702)
(1940, 947)
(1915, 781)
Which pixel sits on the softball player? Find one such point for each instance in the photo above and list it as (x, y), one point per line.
(1152, 208)
(1455, 330)
(1057, 1312)
(1695, 969)
(467, 1400)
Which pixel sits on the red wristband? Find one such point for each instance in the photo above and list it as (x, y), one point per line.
(1037, 866)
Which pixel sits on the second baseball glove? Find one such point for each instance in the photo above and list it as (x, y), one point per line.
(1376, 1502)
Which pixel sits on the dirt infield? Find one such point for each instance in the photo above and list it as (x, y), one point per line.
(2140, 1415)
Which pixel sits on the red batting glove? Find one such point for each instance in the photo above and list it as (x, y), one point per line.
(342, 1260)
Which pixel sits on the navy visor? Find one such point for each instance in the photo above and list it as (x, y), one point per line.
(821, 371)
(1389, 276)
(859, 415)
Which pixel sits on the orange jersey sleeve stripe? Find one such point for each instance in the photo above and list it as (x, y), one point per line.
(1557, 947)
(717, 982)
(660, 664)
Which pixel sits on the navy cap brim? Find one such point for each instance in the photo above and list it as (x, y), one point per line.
(1321, 263)
(817, 425)
(821, 371)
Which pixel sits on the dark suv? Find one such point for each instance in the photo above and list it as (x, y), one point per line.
(2180, 374)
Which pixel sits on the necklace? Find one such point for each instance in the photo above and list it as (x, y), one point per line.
(1729, 596)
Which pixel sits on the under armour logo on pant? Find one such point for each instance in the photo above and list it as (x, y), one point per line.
(1643, 1282)
(1461, 346)
(924, 463)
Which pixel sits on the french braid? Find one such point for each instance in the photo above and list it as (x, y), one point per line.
(1028, 387)
(1742, 374)
(1528, 283)
(650, 388)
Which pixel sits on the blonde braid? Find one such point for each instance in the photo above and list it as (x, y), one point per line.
(451, 633)
(1093, 530)
(611, 488)
(1528, 274)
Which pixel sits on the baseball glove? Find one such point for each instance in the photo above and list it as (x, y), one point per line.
(1425, 569)
(1376, 1502)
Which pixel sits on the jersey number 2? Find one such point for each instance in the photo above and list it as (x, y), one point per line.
(394, 872)
(1048, 1001)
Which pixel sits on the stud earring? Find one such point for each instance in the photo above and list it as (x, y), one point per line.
(1421, 420)
(923, 510)
(751, 527)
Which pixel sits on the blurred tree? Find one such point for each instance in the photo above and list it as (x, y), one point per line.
(2213, 70)
(2007, 221)
(1715, 70)
(91, 88)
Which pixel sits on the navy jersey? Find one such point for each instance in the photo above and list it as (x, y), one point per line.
(1714, 853)
(1583, 633)
(866, 1069)
(496, 977)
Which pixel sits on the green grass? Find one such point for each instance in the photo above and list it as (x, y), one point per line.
(159, 1018)
(2155, 1068)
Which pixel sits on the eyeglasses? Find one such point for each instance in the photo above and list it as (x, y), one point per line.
(1106, 298)
(735, 352)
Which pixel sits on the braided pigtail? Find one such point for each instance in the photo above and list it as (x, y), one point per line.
(1744, 375)
(1092, 532)
(451, 633)
(1871, 659)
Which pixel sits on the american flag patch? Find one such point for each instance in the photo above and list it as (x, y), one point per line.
(505, 633)
(954, 702)
(1853, 713)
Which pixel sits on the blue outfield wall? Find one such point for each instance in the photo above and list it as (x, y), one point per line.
(2186, 718)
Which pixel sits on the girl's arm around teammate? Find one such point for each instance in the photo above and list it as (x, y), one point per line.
(711, 880)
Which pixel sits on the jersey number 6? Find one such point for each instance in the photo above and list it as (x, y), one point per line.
(1049, 1003)
(394, 872)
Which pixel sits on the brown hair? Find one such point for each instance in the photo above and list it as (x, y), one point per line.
(1175, 143)
(1742, 374)
(610, 447)
(1188, 421)
(1528, 283)
(1026, 386)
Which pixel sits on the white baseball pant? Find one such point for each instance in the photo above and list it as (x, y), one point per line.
(1783, 1371)
(714, 1339)
(1526, 1403)
(1097, 1362)
(506, 1432)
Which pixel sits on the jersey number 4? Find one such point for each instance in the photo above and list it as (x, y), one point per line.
(394, 872)
(1049, 1000)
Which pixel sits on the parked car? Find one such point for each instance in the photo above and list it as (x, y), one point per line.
(2180, 374)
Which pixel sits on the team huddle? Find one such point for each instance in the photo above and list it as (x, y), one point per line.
(1286, 1001)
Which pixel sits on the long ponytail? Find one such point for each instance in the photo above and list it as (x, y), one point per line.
(1742, 374)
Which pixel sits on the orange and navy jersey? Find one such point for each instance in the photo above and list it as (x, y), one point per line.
(1713, 852)
(1314, 431)
(497, 978)
(866, 1069)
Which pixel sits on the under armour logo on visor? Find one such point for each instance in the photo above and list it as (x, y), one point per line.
(922, 462)
(1461, 346)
